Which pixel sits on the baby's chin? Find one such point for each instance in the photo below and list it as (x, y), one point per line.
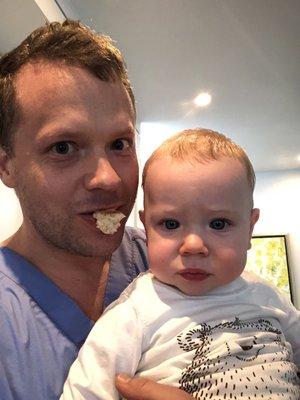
(192, 287)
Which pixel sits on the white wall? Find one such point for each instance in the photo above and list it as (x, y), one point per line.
(277, 194)
(10, 212)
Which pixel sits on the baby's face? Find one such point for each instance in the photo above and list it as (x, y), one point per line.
(199, 222)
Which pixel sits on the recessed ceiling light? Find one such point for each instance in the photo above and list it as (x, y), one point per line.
(202, 100)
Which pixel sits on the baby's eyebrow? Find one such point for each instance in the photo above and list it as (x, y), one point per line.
(224, 211)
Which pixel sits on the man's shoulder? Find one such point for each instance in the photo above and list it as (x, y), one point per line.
(33, 300)
(9, 280)
(133, 248)
(12, 295)
(29, 337)
(133, 234)
(127, 262)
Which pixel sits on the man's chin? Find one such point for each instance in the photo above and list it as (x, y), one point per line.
(103, 246)
(99, 245)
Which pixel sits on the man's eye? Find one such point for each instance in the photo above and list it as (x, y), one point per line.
(121, 144)
(62, 148)
(171, 224)
(218, 224)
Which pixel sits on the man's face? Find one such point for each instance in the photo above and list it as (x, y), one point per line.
(199, 222)
(74, 154)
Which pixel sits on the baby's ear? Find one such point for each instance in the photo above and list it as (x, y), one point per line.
(253, 219)
(6, 169)
(142, 216)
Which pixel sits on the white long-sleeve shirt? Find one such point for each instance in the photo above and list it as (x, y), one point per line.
(239, 341)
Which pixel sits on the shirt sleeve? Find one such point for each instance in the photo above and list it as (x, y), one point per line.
(291, 326)
(287, 314)
(113, 346)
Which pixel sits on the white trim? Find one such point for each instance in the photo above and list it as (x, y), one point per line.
(51, 10)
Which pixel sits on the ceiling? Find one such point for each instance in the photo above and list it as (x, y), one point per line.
(246, 54)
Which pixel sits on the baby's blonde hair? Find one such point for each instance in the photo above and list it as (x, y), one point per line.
(201, 145)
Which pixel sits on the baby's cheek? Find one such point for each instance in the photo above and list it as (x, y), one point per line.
(161, 256)
(157, 255)
(231, 263)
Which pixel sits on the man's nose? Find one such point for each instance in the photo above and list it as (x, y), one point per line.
(194, 243)
(102, 175)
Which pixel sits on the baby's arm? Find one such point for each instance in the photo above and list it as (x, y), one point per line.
(113, 346)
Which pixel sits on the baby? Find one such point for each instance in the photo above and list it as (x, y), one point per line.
(196, 320)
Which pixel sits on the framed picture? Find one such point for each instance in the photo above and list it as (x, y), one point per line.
(268, 258)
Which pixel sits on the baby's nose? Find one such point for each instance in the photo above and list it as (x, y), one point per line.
(194, 244)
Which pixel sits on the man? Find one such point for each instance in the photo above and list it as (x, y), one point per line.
(67, 117)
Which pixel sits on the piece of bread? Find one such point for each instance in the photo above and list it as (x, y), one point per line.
(108, 222)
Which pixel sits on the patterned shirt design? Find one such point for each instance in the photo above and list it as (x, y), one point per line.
(239, 359)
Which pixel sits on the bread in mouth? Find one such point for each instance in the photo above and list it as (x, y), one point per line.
(108, 221)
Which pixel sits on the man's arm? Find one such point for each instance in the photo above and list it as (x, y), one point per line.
(145, 389)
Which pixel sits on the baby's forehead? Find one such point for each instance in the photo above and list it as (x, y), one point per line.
(219, 166)
(214, 176)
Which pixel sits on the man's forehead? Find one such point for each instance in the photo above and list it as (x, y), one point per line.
(43, 81)
(50, 76)
(53, 97)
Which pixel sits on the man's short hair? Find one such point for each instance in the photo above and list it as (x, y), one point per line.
(201, 145)
(69, 43)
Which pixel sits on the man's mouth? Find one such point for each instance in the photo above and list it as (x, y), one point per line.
(108, 221)
(89, 214)
(102, 208)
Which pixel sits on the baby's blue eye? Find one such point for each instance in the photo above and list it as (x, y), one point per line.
(171, 224)
(218, 224)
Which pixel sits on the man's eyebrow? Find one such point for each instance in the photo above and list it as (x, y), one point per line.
(69, 133)
(58, 133)
(125, 130)
(129, 131)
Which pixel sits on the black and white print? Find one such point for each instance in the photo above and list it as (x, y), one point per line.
(239, 360)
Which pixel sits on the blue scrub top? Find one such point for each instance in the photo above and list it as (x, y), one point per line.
(42, 329)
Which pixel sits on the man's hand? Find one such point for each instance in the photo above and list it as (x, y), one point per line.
(145, 389)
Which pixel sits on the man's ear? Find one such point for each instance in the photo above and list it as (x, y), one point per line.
(253, 219)
(6, 169)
